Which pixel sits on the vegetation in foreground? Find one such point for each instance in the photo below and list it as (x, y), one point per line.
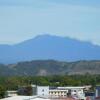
(13, 83)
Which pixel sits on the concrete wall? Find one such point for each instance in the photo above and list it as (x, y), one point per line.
(43, 90)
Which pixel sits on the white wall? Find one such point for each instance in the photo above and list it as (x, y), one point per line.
(43, 90)
(96, 93)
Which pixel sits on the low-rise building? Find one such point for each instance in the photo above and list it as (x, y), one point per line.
(63, 92)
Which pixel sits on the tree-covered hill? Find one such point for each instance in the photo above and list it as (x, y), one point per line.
(49, 67)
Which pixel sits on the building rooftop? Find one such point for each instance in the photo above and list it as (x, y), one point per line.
(25, 98)
(70, 87)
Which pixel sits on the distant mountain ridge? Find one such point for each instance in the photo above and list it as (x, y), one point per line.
(49, 47)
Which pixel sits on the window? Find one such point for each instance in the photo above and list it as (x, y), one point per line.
(43, 90)
(61, 92)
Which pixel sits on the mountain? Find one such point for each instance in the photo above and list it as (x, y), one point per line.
(50, 67)
(49, 47)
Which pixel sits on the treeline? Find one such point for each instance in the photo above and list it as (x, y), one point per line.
(13, 83)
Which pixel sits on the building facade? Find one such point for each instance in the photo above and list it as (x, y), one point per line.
(63, 92)
(43, 90)
(97, 92)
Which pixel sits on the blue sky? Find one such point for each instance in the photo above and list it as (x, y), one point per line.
(23, 19)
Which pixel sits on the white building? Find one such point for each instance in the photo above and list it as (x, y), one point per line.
(97, 93)
(46, 91)
(43, 90)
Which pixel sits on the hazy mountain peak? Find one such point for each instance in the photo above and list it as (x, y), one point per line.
(49, 47)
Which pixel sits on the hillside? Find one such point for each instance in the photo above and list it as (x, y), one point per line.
(49, 47)
(50, 67)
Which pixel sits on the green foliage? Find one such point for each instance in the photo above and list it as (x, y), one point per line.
(13, 83)
(2, 91)
(50, 67)
(49, 72)
(26, 90)
(29, 90)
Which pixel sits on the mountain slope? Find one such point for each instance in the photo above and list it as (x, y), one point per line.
(50, 67)
(49, 47)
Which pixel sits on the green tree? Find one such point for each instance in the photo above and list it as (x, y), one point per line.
(2, 92)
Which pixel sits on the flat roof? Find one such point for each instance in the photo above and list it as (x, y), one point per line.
(70, 87)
